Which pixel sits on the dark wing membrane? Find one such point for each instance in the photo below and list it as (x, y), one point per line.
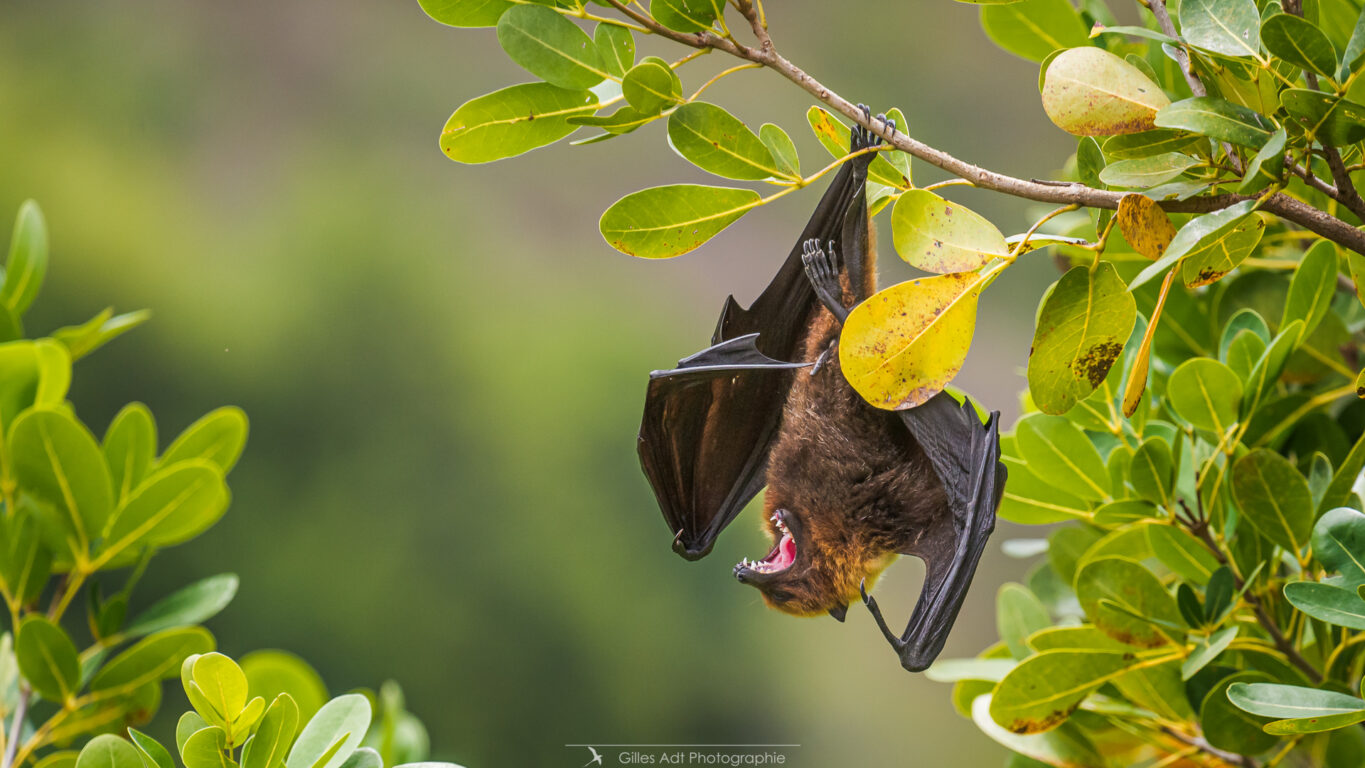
(966, 457)
(709, 424)
(705, 435)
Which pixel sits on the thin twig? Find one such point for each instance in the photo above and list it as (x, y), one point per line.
(16, 726)
(1306, 216)
(1199, 526)
(1199, 743)
(1182, 57)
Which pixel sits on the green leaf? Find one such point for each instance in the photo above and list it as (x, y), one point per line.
(1334, 605)
(1066, 547)
(1291, 701)
(271, 673)
(25, 563)
(174, 504)
(1123, 512)
(222, 684)
(1226, 726)
(1213, 258)
(188, 724)
(1267, 167)
(1152, 471)
(81, 340)
(1034, 28)
(1188, 602)
(651, 85)
(1060, 746)
(47, 659)
(346, 719)
(623, 120)
(1355, 49)
(1182, 553)
(1148, 143)
(905, 343)
(1031, 501)
(718, 142)
(57, 460)
(955, 670)
(512, 121)
(466, 13)
(1058, 452)
(151, 659)
(1218, 119)
(1218, 595)
(205, 748)
(1201, 233)
(1206, 651)
(550, 47)
(1205, 393)
(1269, 367)
(193, 604)
(783, 150)
(1084, 323)
(1299, 42)
(1229, 27)
(1339, 543)
(153, 754)
(27, 259)
(1043, 690)
(1144, 172)
(616, 47)
(1315, 724)
(1274, 497)
(1339, 490)
(1089, 91)
(267, 749)
(130, 448)
(1132, 588)
(662, 222)
(218, 437)
(1018, 614)
(108, 751)
(685, 15)
(1313, 286)
(1334, 121)
(937, 236)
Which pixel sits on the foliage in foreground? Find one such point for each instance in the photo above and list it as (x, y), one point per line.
(82, 519)
(1189, 409)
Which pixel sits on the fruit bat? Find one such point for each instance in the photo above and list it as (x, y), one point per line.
(849, 486)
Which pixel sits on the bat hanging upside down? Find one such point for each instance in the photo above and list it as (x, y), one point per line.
(850, 486)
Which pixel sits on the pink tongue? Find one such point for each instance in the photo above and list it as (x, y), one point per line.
(786, 552)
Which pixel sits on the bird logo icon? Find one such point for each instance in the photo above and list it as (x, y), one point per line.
(596, 758)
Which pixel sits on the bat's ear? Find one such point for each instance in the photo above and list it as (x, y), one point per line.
(839, 612)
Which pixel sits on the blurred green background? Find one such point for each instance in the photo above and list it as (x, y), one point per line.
(444, 364)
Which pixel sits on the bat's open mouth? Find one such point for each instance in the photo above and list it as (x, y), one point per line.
(780, 558)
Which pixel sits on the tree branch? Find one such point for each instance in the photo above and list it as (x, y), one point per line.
(1296, 211)
(1199, 526)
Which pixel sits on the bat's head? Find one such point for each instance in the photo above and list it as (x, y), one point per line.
(809, 570)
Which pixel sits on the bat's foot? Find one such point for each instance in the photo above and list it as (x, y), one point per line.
(911, 655)
(863, 138)
(822, 269)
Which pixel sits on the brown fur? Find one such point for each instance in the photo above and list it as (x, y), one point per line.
(860, 487)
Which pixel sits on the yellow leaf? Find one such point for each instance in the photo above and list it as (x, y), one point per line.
(904, 344)
(1144, 225)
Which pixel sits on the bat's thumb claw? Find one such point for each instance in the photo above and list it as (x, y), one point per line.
(862, 590)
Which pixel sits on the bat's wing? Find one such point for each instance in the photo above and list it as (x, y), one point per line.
(709, 423)
(965, 455)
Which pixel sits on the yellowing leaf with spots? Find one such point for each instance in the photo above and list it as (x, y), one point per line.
(938, 236)
(1082, 328)
(1089, 91)
(904, 344)
(662, 222)
(1144, 225)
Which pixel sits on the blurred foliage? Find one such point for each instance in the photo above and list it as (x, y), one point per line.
(81, 515)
